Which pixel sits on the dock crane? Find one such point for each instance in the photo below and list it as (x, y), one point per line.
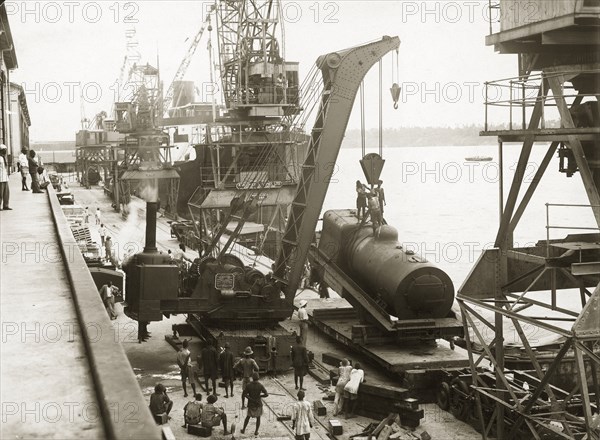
(180, 74)
(342, 73)
(226, 294)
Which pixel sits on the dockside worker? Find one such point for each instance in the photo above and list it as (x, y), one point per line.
(357, 376)
(4, 190)
(185, 365)
(303, 318)
(108, 248)
(299, 356)
(249, 367)
(24, 168)
(143, 333)
(108, 298)
(212, 415)
(102, 232)
(375, 213)
(210, 365)
(254, 391)
(380, 195)
(226, 362)
(302, 418)
(159, 401)
(98, 216)
(361, 200)
(33, 162)
(343, 378)
(192, 411)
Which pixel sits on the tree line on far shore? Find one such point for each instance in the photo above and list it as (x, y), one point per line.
(467, 135)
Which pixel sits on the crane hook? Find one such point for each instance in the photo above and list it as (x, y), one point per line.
(395, 90)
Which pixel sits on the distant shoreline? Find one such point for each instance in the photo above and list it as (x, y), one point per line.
(405, 137)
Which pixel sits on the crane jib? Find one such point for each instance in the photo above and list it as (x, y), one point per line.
(342, 74)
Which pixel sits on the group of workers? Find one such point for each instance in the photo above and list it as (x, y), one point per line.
(346, 389)
(28, 164)
(253, 391)
(374, 200)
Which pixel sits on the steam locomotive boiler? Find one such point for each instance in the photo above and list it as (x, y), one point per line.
(392, 286)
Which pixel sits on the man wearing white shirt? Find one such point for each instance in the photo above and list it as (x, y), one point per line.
(303, 317)
(102, 232)
(4, 190)
(302, 418)
(108, 297)
(24, 168)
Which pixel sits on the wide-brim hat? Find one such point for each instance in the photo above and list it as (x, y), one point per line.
(3, 147)
(303, 302)
(248, 351)
(226, 345)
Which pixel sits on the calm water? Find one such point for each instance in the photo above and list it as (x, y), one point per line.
(446, 208)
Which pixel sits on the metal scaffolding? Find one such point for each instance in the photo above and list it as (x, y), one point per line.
(509, 402)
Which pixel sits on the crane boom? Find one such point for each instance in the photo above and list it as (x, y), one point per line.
(342, 74)
(179, 75)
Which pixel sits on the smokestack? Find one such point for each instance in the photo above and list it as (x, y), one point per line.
(151, 209)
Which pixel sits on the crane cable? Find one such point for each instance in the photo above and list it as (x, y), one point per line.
(396, 89)
(380, 108)
(362, 119)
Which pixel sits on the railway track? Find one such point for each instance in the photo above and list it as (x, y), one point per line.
(293, 399)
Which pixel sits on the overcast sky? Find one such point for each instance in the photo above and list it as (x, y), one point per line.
(64, 48)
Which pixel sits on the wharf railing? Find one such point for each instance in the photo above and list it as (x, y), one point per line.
(569, 227)
(518, 95)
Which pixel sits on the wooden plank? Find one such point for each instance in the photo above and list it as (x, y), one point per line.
(383, 391)
(333, 359)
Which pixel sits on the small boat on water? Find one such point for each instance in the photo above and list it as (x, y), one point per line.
(478, 158)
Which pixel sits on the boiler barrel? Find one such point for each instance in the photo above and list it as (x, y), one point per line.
(410, 286)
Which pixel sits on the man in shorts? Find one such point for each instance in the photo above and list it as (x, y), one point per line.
(254, 391)
(159, 401)
(185, 364)
(210, 366)
(357, 376)
(249, 367)
(226, 361)
(299, 356)
(213, 416)
(192, 411)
